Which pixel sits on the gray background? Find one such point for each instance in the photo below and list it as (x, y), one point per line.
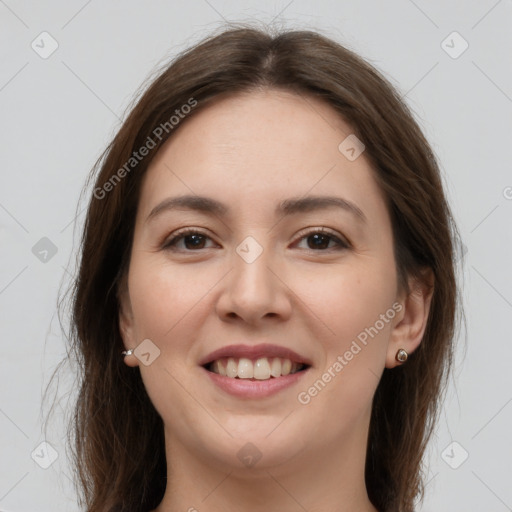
(58, 113)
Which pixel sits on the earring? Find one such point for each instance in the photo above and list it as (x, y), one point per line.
(127, 352)
(401, 356)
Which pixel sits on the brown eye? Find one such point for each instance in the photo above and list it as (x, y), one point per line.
(321, 240)
(192, 240)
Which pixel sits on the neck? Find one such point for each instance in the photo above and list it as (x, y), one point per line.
(319, 479)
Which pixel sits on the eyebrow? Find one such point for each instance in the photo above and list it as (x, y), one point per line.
(287, 207)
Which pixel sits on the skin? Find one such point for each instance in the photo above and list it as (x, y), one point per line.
(250, 152)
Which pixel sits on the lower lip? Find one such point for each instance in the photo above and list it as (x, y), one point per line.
(246, 388)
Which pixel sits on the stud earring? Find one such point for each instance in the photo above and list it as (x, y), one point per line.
(127, 352)
(401, 356)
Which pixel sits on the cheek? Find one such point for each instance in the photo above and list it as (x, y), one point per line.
(348, 300)
(166, 304)
(162, 296)
(356, 306)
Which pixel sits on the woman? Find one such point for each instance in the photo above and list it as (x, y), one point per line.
(266, 298)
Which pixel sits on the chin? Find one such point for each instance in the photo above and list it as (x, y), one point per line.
(262, 448)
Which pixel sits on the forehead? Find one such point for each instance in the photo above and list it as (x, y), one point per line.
(260, 126)
(257, 148)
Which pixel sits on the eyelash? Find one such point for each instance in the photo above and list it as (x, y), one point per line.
(181, 234)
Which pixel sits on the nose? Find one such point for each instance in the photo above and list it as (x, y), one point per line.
(254, 292)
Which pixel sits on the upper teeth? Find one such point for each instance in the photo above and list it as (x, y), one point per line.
(261, 369)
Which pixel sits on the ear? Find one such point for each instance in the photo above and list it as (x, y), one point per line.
(411, 322)
(126, 323)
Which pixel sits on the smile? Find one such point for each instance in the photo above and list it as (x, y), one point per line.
(263, 368)
(254, 371)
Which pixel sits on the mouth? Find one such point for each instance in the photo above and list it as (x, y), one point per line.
(255, 371)
(262, 368)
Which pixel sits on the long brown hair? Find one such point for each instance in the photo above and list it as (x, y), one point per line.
(116, 433)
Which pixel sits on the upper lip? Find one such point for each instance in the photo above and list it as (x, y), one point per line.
(255, 352)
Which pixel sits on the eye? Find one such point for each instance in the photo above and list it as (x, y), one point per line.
(192, 239)
(321, 238)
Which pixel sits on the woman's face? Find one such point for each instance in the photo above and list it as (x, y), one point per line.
(256, 278)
